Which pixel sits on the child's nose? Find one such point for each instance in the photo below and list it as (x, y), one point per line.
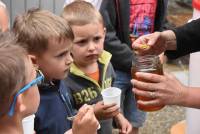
(69, 59)
(91, 46)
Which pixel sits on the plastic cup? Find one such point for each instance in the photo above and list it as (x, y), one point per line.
(111, 95)
(28, 124)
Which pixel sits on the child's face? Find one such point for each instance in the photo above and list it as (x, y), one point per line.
(88, 43)
(55, 61)
(32, 96)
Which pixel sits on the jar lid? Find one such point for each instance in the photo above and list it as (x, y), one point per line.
(196, 4)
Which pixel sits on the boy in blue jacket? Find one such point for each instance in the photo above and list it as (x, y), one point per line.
(48, 40)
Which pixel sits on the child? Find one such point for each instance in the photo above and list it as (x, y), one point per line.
(91, 71)
(48, 39)
(18, 84)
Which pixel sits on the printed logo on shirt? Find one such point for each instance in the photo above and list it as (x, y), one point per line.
(142, 16)
(85, 95)
(89, 94)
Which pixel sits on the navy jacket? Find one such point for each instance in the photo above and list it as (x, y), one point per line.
(53, 109)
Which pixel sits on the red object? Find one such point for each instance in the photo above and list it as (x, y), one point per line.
(196, 4)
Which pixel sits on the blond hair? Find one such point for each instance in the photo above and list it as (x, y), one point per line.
(12, 70)
(81, 13)
(35, 27)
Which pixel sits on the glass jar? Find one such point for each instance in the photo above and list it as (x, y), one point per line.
(147, 64)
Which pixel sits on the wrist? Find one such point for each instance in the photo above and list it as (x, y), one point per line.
(117, 116)
(170, 39)
(183, 96)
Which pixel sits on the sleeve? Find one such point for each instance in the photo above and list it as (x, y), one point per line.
(188, 39)
(122, 54)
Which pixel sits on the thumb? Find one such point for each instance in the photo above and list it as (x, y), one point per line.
(82, 112)
(123, 129)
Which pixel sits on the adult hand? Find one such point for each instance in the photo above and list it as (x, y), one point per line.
(164, 90)
(85, 121)
(155, 43)
(103, 112)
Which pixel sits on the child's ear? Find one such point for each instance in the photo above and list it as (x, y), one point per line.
(104, 30)
(20, 106)
(34, 60)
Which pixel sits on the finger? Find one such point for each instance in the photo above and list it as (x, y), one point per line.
(150, 77)
(146, 94)
(136, 44)
(89, 114)
(82, 111)
(150, 103)
(153, 40)
(124, 129)
(111, 113)
(129, 129)
(100, 102)
(68, 132)
(106, 106)
(144, 85)
(120, 132)
(90, 117)
(111, 109)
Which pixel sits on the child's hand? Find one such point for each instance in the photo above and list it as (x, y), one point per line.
(103, 112)
(68, 132)
(85, 121)
(124, 126)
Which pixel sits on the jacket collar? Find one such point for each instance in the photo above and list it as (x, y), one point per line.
(103, 59)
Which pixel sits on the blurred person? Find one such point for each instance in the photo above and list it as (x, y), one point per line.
(4, 19)
(18, 81)
(125, 21)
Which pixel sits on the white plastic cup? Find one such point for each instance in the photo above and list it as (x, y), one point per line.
(28, 124)
(111, 95)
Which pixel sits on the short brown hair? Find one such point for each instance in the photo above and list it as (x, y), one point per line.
(12, 70)
(81, 13)
(35, 27)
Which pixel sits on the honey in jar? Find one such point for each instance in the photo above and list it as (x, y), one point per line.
(147, 64)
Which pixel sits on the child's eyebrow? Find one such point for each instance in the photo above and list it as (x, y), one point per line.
(79, 40)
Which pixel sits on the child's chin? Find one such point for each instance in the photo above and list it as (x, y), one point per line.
(64, 76)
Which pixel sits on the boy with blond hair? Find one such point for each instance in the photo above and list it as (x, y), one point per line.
(48, 40)
(91, 71)
(18, 84)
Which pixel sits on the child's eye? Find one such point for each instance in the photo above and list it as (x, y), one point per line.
(62, 54)
(96, 39)
(81, 42)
